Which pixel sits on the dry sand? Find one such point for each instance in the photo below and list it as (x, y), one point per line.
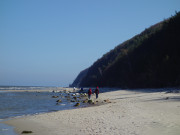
(129, 113)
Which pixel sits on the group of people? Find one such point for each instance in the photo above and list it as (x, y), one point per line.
(90, 92)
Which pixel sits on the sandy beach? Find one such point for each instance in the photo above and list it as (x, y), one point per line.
(128, 113)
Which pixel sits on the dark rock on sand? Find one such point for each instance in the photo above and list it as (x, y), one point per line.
(59, 101)
(77, 104)
(26, 132)
(85, 101)
(55, 96)
(90, 101)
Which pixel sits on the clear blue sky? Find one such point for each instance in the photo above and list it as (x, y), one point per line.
(48, 42)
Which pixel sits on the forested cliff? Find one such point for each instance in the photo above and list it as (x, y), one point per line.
(150, 59)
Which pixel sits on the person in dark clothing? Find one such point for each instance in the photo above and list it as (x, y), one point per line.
(81, 90)
(89, 93)
(97, 92)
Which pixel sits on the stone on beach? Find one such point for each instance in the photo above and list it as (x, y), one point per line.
(85, 101)
(90, 101)
(77, 104)
(26, 132)
(59, 101)
(55, 96)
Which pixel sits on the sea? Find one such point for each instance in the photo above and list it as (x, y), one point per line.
(30, 101)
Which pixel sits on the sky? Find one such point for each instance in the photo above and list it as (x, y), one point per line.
(48, 42)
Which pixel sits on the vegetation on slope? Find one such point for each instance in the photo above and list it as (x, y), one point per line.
(150, 59)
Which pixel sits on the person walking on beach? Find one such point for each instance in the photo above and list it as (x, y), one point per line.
(97, 92)
(89, 93)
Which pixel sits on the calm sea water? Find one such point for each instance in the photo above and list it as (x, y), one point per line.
(13, 104)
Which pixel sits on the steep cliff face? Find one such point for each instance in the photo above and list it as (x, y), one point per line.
(150, 59)
(79, 78)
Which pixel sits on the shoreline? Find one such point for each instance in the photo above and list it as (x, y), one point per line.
(49, 89)
(129, 112)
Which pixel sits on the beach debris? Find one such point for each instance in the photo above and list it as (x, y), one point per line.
(85, 101)
(55, 96)
(26, 132)
(75, 94)
(166, 98)
(90, 101)
(107, 101)
(77, 104)
(59, 101)
(83, 95)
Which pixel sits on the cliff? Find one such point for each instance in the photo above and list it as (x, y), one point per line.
(150, 59)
